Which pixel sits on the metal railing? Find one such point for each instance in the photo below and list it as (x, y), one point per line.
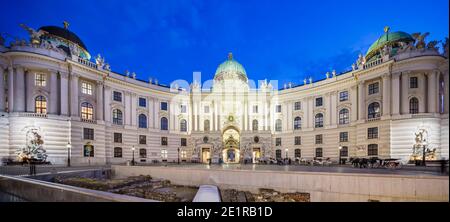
(373, 63)
(87, 63)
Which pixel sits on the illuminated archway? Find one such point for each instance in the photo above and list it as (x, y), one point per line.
(231, 139)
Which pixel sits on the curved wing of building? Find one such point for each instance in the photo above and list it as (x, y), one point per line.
(55, 100)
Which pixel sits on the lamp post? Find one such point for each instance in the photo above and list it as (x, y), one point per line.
(178, 155)
(286, 151)
(132, 161)
(69, 146)
(340, 148)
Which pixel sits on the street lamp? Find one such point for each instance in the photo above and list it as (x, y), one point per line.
(424, 144)
(340, 148)
(132, 161)
(69, 146)
(286, 151)
(178, 155)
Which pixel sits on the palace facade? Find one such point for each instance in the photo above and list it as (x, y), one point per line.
(50, 88)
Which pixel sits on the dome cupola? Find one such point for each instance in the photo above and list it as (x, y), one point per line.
(230, 69)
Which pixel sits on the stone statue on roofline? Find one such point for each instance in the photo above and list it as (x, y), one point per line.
(432, 45)
(445, 47)
(420, 39)
(100, 61)
(35, 36)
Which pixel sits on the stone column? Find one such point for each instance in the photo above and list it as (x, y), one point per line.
(395, 93)
(423, 93)
(354, 100)
(127, 113)
(405, 93)
(107, 104)
(99, 94)
(64, 93)
(53, 92)
(310, 112)
(156, 120)
(10, 89)
(2, 90)
(333, 112)
(327, 114)
(30, 85)
(284, 118)
(19, 90)
(216, 119)
(361, 101)
(446, 92)
(386, 95)
(290, 121)
(245, 115)
(133, 109)
(195, 117)
(432, 89)
(74, 101)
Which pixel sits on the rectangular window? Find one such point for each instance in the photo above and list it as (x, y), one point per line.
(39, 79)
(298, 140)
(86, 88)
(88, 134)
(374, 88)
(413, 82)
(297, 106)
(319, 139)
(183, 109)
(142, 139)
(117, 152)
(183, 154)
(183, 142)
(255, 109)
(118, 137)
(319, 101)
(117, 96)
(142, 102)
(372, 133)
(319, 152)
(343, 96)
(164, 106)
(164, 141)
(343, 137)
(277, 141)
(372, 150)
(206, 109)
(278, 109)
(344, 151)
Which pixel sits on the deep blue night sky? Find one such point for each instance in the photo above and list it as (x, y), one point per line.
(282, 40)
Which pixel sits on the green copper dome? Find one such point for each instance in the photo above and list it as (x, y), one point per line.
(230, 66)
(388, 38)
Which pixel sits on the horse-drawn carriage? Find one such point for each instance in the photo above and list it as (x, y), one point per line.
(376, 162)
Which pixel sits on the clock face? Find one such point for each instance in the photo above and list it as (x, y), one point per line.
(231, 118)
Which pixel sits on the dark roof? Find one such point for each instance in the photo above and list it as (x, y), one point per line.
(64, 33)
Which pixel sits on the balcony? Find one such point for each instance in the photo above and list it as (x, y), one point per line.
(89, 121)
(36, 115)
(373, 63)
(87, 63)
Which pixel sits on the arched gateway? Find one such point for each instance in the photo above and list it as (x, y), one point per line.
(231, 139)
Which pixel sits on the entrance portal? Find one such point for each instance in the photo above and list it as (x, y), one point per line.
(206, 155)
(256, 155)
(230, 153)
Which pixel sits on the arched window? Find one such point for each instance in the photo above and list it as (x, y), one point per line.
(40, 104)
(206, 125)
(297, 123)
(87, 111)
(117, 152)
(318, 120)
(117, 117)
(255, 125)
(372, 150)
(344, 151)
(142, 153)
(344, 116)
(88, 150)
(374, 110)
(413, 105)
(278, 154)
(297, 153)
(142, 121)
(183, 125)
(164, 123)
(278, 127)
